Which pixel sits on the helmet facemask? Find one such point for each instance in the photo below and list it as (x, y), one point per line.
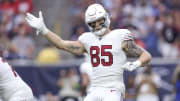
(100, 29)
(95, 13)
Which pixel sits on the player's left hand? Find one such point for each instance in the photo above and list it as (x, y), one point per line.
(37, 23)
(130, 66)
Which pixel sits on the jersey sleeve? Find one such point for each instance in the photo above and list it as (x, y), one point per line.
(85, 40)
(82, 38)
(127, 35)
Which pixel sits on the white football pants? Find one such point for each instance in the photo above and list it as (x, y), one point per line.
(103, 94)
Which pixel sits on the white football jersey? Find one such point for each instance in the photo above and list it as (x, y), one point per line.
(107, 57)
(12, 87)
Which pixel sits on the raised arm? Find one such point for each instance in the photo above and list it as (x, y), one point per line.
(75, 47)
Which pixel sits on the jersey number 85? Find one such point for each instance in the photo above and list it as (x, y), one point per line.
(95, 55)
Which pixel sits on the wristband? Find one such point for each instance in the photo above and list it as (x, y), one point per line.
(138, 63)
(45, 31)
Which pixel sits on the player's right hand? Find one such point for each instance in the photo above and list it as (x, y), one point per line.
(37, 23)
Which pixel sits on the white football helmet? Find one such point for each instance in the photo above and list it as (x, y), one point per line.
(95, 12)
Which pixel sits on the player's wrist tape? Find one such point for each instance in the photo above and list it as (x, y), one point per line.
(45, 31)
(138, 63)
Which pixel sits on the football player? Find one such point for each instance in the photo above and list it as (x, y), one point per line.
(108, 50)
(12, 87)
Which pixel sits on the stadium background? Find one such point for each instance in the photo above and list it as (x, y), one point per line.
(155, 24)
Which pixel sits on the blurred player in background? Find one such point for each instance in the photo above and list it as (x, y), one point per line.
(86, 74)
(176, 82)
(108, 51)
(148, 83)
(12, 87)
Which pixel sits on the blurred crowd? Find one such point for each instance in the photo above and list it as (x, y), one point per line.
(15, 41)
(154, 23)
